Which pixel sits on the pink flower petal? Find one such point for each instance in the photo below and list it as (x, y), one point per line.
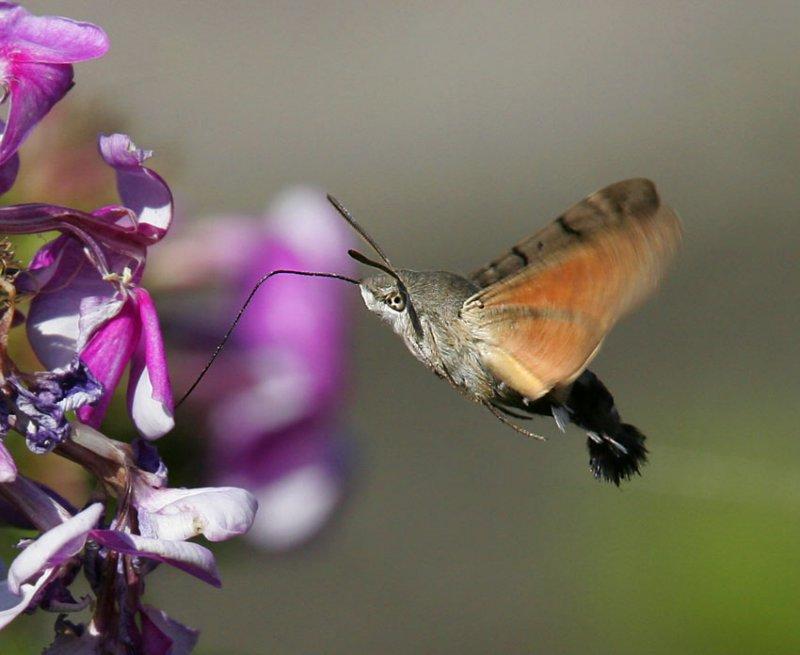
(218, 513)
(141, 189)
(107, 354)
(165, 636)
(53, 548)
(149, 391)
(303, 221)
(8, 469)
(49, 39)
(220, 243)
(34, 88)
(191, 558)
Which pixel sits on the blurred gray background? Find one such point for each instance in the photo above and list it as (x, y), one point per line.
(452, 129)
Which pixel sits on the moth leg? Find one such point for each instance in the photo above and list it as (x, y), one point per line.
(508, 412)
(499, 416)
(490, 406)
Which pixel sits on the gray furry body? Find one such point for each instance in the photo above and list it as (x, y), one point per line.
(448, 348)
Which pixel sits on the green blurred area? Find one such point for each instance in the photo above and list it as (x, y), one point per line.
(452, 131)
(699, 556)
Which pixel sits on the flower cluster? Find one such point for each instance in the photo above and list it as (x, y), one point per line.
(284, 367)
(89, 320)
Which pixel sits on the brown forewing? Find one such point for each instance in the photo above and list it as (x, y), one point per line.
(550, 300)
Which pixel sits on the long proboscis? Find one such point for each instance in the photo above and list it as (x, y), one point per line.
(245, 305)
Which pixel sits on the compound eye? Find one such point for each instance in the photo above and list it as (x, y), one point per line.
(396, 300)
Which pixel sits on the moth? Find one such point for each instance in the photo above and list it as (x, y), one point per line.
(518, 334)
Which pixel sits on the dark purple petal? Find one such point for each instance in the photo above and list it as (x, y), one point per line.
(32, 218)
(148, 460)
(109, 235)
(42, 422)
(39, 402)
(149, 391)
(53, 548)
(11, 516)
(69, 387)
(8, 173)
(49, 39)
(191, 558)
(165, 636)
(107, 354)
(58, 598)
(47, 255)
(38, 505)
(34, 88)
(140, 189)
(154, 640)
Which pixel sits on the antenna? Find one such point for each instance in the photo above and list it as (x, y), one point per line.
(245, 305)
(387, 268)
(349, 218)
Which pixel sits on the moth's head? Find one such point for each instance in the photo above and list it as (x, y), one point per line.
(383, 295)
(387, 293)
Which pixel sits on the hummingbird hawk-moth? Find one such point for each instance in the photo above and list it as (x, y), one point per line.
(518, 334)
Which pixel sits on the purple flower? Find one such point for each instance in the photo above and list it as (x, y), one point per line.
(87, 299)
(36, 53)
(277, 391)
(40, 575)
(37, 404)
(37, 565)
(218, 513)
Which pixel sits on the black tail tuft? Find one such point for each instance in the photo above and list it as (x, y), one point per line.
(616, 449)
(617, 456)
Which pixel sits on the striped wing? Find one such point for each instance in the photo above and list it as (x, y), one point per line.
(547, 304)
